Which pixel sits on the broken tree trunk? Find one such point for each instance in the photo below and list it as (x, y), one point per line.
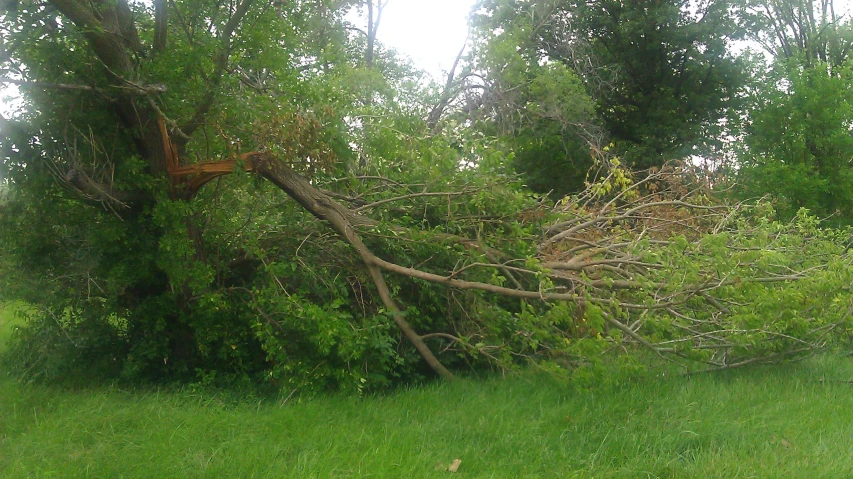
(322, 206)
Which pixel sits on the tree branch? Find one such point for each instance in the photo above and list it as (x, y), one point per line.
(161, 25)
(220, 66)
(448, 194)
(49, 86)
(447, 95)
(336, 215)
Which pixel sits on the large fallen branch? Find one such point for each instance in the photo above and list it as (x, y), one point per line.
(589, 256)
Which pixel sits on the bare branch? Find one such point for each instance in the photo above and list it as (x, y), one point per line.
(447, 95)
(448, 194)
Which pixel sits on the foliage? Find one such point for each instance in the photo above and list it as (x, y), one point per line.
(806, 32)
(720, 285)
(271, 198)
(797, 131)
(537, 108)
(660, 72)
(798, 144)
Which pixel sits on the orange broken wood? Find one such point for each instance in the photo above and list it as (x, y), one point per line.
(193, 177)
(171, 152)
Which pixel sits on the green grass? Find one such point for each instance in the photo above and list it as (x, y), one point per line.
(7, 321)
(791, 421)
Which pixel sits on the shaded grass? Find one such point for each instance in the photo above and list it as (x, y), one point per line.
(790, 421)
(8, 320)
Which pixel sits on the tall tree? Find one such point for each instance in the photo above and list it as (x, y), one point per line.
(798, 145)
(798, 136)
(99, 55)
(660, 72)
(808, 32)
(535, 106)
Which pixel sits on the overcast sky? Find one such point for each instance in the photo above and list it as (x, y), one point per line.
(431, 32)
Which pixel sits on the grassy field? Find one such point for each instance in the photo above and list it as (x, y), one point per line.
(792, 421)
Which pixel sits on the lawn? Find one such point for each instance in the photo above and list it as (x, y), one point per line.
(789, 421)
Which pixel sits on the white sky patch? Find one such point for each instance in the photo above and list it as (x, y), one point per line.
(430, 32)
(10, 100)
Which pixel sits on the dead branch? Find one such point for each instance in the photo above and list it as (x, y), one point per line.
(447, 95)
(448, 194)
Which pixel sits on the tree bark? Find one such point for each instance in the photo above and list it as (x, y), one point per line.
(161, 25)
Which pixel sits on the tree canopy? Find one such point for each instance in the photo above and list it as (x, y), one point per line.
(798, 138)
(661, 73)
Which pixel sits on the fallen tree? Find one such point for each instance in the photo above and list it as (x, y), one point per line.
(672, 271)
(152, 252)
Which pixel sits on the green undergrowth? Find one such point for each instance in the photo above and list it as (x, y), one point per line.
(787, 421)
(8, 320)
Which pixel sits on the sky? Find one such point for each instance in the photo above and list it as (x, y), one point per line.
(430, 32)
